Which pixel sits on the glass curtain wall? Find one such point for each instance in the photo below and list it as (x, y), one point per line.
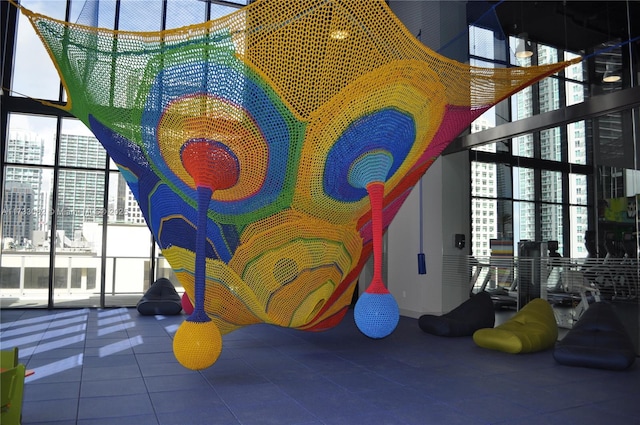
(574, 181)
(522, 183)
(72, 234)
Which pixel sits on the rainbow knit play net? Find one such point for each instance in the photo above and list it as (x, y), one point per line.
(270, 149)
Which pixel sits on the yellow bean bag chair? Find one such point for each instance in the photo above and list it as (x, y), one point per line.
(531, 329)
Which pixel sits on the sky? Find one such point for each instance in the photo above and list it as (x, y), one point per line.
(35, 75)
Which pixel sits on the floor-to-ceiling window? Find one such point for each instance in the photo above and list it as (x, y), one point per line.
(566, 166)
(521, 183)
(72, 233)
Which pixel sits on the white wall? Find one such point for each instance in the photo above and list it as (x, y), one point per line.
(456, 213)
(417, 293)
(445, 193)
(445, 212)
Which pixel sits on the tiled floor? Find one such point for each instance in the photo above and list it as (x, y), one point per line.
(114, 366)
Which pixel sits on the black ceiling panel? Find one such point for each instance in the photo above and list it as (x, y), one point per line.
(577, 26)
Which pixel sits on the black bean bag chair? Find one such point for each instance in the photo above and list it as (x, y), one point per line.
(597, 340)
(160, 298)
(475, 313)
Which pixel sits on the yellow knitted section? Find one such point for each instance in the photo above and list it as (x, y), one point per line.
(406, 86)
(310, 50)
(197, 345)
(284, 111)
(293, 274)
(192, 117)
(229, 301)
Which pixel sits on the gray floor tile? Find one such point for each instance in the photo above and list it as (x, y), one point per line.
(112, 366)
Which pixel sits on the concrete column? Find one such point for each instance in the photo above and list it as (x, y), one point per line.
(445, 190)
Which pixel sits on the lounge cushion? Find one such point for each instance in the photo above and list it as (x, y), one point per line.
(11, 387)
(160, 298)
(531, 329)
(475, 313)
(597, 340)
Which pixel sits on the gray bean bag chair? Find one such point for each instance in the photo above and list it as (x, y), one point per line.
(597, 340)
(475, 313)
(160, 298)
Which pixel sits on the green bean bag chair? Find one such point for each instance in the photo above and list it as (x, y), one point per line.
(531, 329)
(11, 387)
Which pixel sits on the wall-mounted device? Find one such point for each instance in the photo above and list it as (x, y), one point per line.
(459, 241)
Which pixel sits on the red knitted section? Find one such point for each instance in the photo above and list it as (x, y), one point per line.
(211, 164)
(329, 322)
(376, 195)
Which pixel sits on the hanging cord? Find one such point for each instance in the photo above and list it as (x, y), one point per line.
(422, 266)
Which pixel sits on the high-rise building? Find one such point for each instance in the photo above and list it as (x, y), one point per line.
(123, 206)
(133, 214)
(23, 205)
(18, 219)
(80, 193)
(494, 215)
(577, 154)
(484, 225)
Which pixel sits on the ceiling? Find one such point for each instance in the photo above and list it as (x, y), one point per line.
(579, 26)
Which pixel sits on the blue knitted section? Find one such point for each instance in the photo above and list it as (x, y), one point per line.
(376, 315)
(387, 130)
(199, 315)
(372, 167)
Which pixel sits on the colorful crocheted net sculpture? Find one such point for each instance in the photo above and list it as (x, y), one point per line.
(270, 149)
